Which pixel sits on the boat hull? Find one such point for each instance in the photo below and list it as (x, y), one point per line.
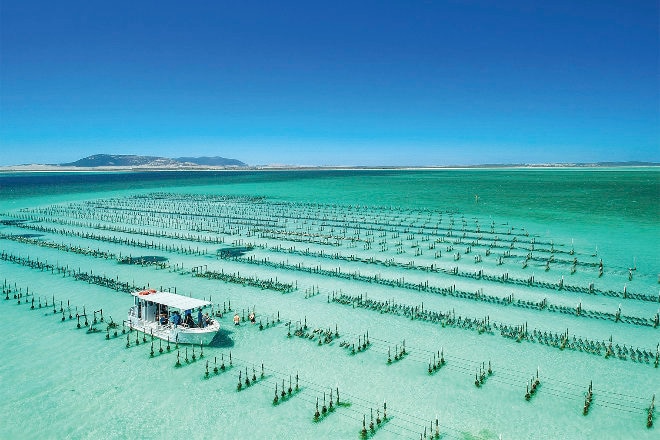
(196, 335)
(179, 334)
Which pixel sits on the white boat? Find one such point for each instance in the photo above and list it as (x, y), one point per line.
(154, 313)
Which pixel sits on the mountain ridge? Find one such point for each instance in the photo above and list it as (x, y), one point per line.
(130, 160)
(122, 162)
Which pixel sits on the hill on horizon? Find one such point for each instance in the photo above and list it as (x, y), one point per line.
(129, 160)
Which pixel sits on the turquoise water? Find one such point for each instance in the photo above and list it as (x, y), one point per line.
(400, 235)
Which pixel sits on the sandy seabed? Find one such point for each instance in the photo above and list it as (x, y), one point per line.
(389, 313)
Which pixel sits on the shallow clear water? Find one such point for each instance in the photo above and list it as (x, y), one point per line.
(310, 227)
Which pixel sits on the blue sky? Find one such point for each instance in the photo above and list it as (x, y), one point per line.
(331, 83)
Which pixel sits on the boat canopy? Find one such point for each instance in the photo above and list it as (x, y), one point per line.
(171, 299)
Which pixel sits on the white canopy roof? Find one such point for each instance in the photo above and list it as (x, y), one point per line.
(172, 300)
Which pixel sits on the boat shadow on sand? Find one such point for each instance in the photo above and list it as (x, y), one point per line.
(222, 339)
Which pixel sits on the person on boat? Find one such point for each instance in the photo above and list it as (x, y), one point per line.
(176, 319)
(200, 318)
(188, 319)
(252, 318)
(163, 318)
(207, 319)
(237, 319)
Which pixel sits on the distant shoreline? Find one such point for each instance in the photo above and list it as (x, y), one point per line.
(35, 168)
